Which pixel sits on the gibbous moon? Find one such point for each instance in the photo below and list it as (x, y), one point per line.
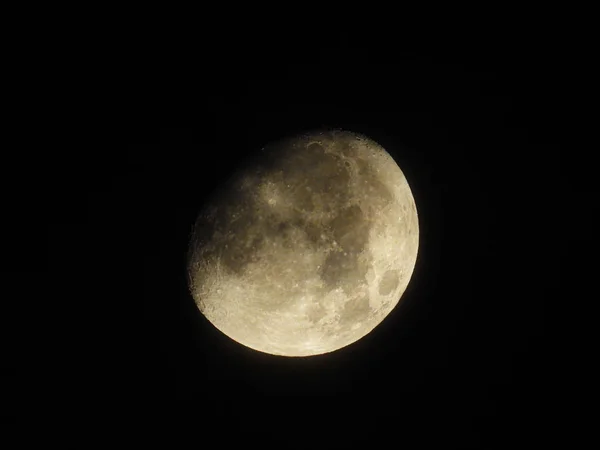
(308, 248)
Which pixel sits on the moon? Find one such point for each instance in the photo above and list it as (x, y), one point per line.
(308, 248)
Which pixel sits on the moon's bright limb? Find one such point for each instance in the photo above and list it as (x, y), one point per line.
(309, 248)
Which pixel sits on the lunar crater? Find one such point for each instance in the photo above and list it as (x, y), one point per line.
(389, 282)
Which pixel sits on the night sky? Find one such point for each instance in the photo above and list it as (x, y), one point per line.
(462, 362)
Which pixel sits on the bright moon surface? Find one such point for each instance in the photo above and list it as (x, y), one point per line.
(309, 248)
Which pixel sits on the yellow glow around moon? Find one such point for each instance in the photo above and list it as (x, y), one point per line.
(309, 249)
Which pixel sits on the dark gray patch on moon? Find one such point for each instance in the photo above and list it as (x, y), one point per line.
(284, 230)
(303, 198)
(344, 271)
(351, 229)
(345, 149)
(355, 310)
(313, 232)
(389, 282)
(295, 158)
(371, 183)
(315, 149)
(326, 178)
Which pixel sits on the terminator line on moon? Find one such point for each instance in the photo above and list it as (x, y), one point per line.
(308, 248)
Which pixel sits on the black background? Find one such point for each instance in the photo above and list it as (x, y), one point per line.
(478, 124)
